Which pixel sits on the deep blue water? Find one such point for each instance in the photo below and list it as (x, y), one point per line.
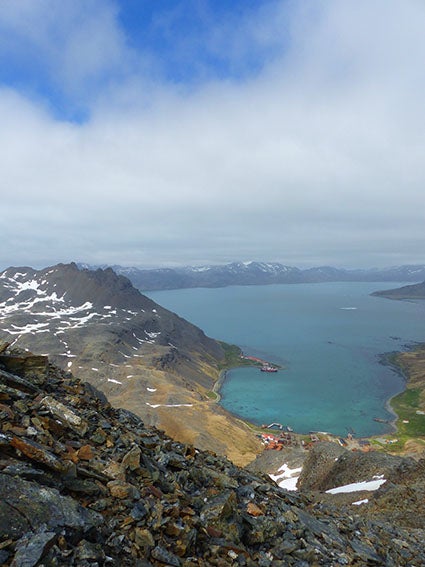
(332, 378)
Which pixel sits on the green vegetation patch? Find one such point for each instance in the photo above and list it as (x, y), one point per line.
(406, 405)
(211, 395)
(232, 357)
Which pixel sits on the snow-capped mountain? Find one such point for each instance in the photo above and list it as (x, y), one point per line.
(95, 322)
(143, 357)
(259, 273)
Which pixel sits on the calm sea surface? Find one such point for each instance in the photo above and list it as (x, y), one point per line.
(328, 337)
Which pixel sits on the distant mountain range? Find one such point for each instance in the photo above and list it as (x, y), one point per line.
(416, 291)
(258, 273)
(142, 356)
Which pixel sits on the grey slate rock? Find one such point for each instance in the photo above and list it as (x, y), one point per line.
(31, 547)
(24, 504)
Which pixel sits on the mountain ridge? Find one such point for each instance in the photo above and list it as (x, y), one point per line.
(97, 325)
(257, 273)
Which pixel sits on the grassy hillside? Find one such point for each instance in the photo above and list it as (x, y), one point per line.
(410, 404)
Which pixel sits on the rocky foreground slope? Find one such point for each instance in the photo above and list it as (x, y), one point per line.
(84, 484)
(142, 356)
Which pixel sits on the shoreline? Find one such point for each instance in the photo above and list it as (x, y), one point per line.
(218, 384)
(409, 404)
(390, 409)
(392, 359)
(398, 430)
(387, 359)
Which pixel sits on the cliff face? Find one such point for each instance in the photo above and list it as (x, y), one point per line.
(143, 357)
(82, 483)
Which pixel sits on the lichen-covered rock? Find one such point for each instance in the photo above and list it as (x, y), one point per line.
(64, 414)
(32, 547)
(25, 506)
(26, 365)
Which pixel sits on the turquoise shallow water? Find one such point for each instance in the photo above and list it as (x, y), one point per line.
(329, 338)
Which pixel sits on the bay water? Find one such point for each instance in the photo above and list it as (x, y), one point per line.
(327, 337)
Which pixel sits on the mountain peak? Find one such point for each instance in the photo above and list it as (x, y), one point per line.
(97, 325)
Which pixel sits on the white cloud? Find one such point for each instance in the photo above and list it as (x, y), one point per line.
(75, 44)
(317, 158)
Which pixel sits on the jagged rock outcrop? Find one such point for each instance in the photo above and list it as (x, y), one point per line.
(319, 465)
(399, 500)
(82, 483)
(328, 465)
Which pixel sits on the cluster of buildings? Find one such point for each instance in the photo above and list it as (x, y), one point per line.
(278, 441)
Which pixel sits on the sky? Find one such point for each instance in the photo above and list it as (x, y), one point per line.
(191, 132)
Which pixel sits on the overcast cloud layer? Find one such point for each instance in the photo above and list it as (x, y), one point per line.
(295, 134)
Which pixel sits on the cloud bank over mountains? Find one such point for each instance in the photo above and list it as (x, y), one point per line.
(289, 132)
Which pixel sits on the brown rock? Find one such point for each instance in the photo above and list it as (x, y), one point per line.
(254, 510)
(38, 453)
(71, 454)
(131, 460)
(6, 411)
(87, 551)
(114, 471)
(3, 346)
(143, 538)
(121, 490)
(173, 529)
(213, 532)
(15, 429)
(154, 490)
(86, 453)
(52, 425)
(127, 521)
